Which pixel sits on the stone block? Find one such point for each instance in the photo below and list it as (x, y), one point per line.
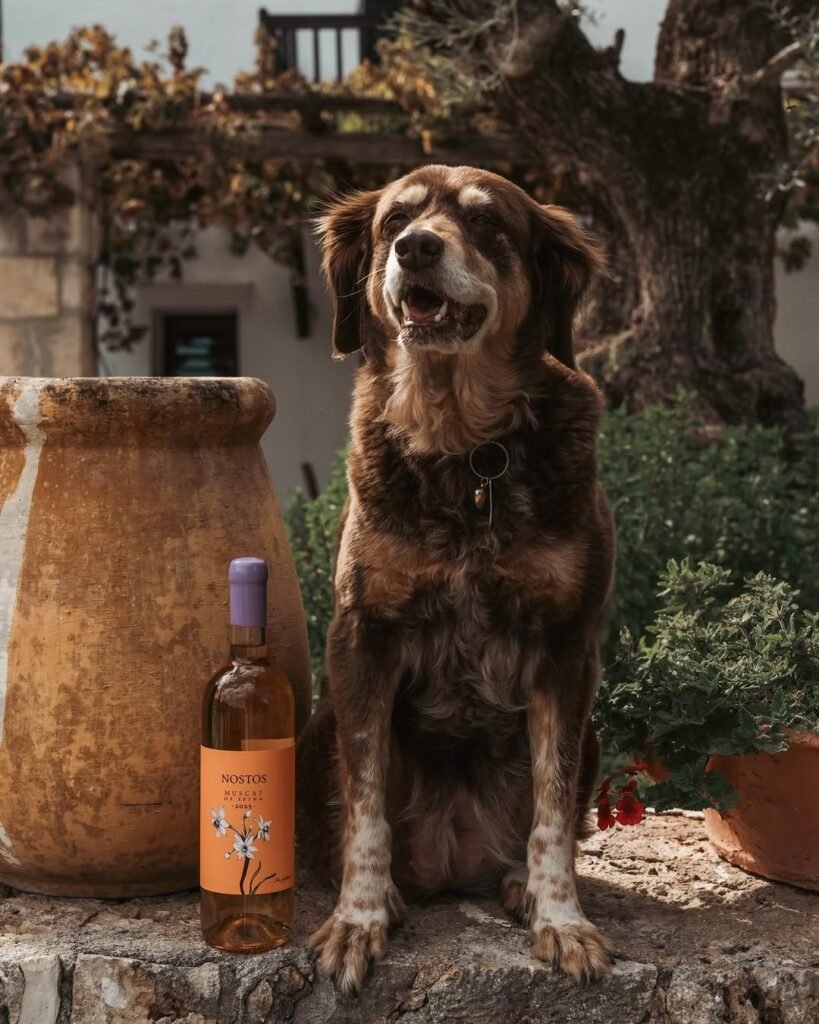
(75, 286)
(41, 998)
(12, 988)
(692, 998)
(62, 347)
(12, 232)
(786, 992)
(28, 287)
(48, 236)
(118, 990)
(15, 350)
(259, 1003)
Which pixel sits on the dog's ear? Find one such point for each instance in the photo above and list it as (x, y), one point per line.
(565, 258)
(344, 231)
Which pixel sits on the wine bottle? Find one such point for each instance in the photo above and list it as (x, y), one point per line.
(247, 804)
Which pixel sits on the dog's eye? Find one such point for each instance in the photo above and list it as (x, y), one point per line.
(482, 217)
(397, 219)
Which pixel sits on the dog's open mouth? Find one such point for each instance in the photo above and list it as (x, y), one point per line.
(427, 317)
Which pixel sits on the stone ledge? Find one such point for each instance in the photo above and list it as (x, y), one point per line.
(699, 942)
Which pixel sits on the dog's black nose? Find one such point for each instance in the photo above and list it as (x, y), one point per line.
(419, 250)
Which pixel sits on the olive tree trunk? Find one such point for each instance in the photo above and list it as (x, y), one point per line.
(681, 171)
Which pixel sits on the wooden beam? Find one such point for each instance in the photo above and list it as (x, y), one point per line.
(261, 142)
(251, 102)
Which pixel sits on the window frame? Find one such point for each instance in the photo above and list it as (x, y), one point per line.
(158, 322)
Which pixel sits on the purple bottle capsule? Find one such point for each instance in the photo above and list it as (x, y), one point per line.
(248, 592)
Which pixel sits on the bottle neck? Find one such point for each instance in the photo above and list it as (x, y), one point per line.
(248, 643)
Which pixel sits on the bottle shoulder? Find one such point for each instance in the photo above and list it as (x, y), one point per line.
(244, 681)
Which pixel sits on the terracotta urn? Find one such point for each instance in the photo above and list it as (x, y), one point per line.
(122, 500)
(773, 829)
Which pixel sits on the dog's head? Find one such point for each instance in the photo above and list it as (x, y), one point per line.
(454, 258)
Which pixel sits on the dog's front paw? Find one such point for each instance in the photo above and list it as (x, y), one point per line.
(346, 949)
(578, 948)
(352, 938)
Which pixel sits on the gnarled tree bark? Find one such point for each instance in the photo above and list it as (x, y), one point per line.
(678, 170)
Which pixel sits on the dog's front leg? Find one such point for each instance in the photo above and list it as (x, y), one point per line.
(362, 674)
(561, 932)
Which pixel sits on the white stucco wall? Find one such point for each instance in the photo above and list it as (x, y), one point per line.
(312, 390)
(797, 317)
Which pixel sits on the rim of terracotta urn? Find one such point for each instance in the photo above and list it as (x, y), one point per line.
(127, 411)
(802, 738)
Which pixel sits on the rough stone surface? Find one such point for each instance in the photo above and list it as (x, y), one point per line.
(48, 235)
(28, 287)
(698, 942)
(12, 232)
(121, 990)
(41, 995)
(47, 288)
(74, 285)
(14, 343)
(64, 346)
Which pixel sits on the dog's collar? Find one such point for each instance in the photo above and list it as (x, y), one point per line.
(484, 489)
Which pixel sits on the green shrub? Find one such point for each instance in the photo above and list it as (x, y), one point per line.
(714, 674)
(312, 527)
(735, 502)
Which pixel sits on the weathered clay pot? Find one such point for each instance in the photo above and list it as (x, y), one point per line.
(773, 829)
(122, 500)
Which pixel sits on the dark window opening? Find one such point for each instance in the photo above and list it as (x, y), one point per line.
(197, 344)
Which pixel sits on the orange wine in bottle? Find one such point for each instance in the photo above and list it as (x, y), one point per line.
(247, 804)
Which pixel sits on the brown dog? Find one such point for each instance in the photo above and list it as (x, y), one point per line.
(463, 654)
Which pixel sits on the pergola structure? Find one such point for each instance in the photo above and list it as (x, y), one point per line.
(316, 135)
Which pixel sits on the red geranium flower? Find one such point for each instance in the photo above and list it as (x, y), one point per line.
(605, 819)
(629, 809)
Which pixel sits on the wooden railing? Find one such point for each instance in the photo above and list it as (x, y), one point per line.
(288, 29)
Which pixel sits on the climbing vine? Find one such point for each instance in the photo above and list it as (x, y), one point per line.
(91, 100)
(83, 96)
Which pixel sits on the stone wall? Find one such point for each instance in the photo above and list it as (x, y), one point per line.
(697, 942)
(47, 290)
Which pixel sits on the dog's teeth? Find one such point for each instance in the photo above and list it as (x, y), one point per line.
(438, 318)
(405, 308)
(442, 310)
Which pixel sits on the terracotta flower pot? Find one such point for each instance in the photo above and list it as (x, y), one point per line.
(121, 503)
(773, 829)
(654, 769)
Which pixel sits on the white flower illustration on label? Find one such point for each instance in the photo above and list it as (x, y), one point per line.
(217, 819)
(243, 848)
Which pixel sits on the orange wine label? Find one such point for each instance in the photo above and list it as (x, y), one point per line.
(247, 818)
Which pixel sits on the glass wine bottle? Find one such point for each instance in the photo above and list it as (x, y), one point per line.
(247, 812)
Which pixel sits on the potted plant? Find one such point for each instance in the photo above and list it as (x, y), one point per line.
(719, 706)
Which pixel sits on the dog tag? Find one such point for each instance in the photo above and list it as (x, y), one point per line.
(483, 492)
